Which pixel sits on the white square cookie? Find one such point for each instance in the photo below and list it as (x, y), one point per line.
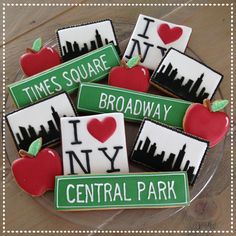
(152, 38)
(94, 144)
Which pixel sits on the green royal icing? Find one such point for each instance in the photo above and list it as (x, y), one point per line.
(37, 44)
(219, 105)
(133, 61)
(77, 192)
(90, 67)
(35, 147)
(134, 105)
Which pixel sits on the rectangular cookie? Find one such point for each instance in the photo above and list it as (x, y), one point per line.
(185, 77)
(41, 119)
(67, 76)
(134, 105)
(162, 148)
(120, 191)
(76, 40)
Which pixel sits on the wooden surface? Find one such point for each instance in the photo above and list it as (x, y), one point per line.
(210, 40)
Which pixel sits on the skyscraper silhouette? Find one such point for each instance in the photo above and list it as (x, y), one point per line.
(179, 158)
(52, 132)
(145, 154)
(73, 49)
(167, 78)
(56, 117)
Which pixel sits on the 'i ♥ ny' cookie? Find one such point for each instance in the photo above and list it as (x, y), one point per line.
(94, 144)
(152, 37)
(77, 40)
(185, 77)
(162, 148)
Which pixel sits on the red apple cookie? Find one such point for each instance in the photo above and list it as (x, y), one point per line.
(130, 76)
(39, 58)
(35, 171)
(206, 121)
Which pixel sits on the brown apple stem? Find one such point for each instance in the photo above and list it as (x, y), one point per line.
(123, 63)
(30, 50)
(207, 104)
(24, 153)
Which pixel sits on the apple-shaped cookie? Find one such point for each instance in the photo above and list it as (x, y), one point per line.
(35, 171)
(130, 75)
(206, 121)
(39, 58)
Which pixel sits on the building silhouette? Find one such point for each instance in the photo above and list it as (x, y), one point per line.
(146, 156)
(28, 134)
(73, 49)
(166, 78)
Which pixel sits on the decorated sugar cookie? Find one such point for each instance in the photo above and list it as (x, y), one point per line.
(35, 170)
(40, 120)
(120, 191)
(162, 148)
(39, 58)
(130, 75)
(185, 77)
(94, 144)
(134, 105)
(77, 40)
(207, 121)
(93, 66)
(152, 38)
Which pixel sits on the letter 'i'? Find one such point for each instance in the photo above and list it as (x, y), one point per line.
(75, 122)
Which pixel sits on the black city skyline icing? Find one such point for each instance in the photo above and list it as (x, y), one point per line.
(73, 49)
(29, 134)
(188, 91)
(147, 156)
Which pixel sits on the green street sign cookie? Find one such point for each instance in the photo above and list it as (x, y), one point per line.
(134, 105)
(138, 190)
(67, 76)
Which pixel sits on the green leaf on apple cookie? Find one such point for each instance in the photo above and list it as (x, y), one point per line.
(37, 44)
(133, 61)
(35, 147)
(219, 105)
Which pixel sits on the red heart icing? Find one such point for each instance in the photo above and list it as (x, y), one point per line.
(102, 130)
(169, 35)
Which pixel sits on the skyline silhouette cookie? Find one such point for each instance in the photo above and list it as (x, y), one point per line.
(182, 76)
(77, 40)
(162, 148)
(41, 119)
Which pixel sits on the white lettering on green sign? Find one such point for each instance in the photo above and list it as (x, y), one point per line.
(134, 105)
(90, 67)
(121, 190)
